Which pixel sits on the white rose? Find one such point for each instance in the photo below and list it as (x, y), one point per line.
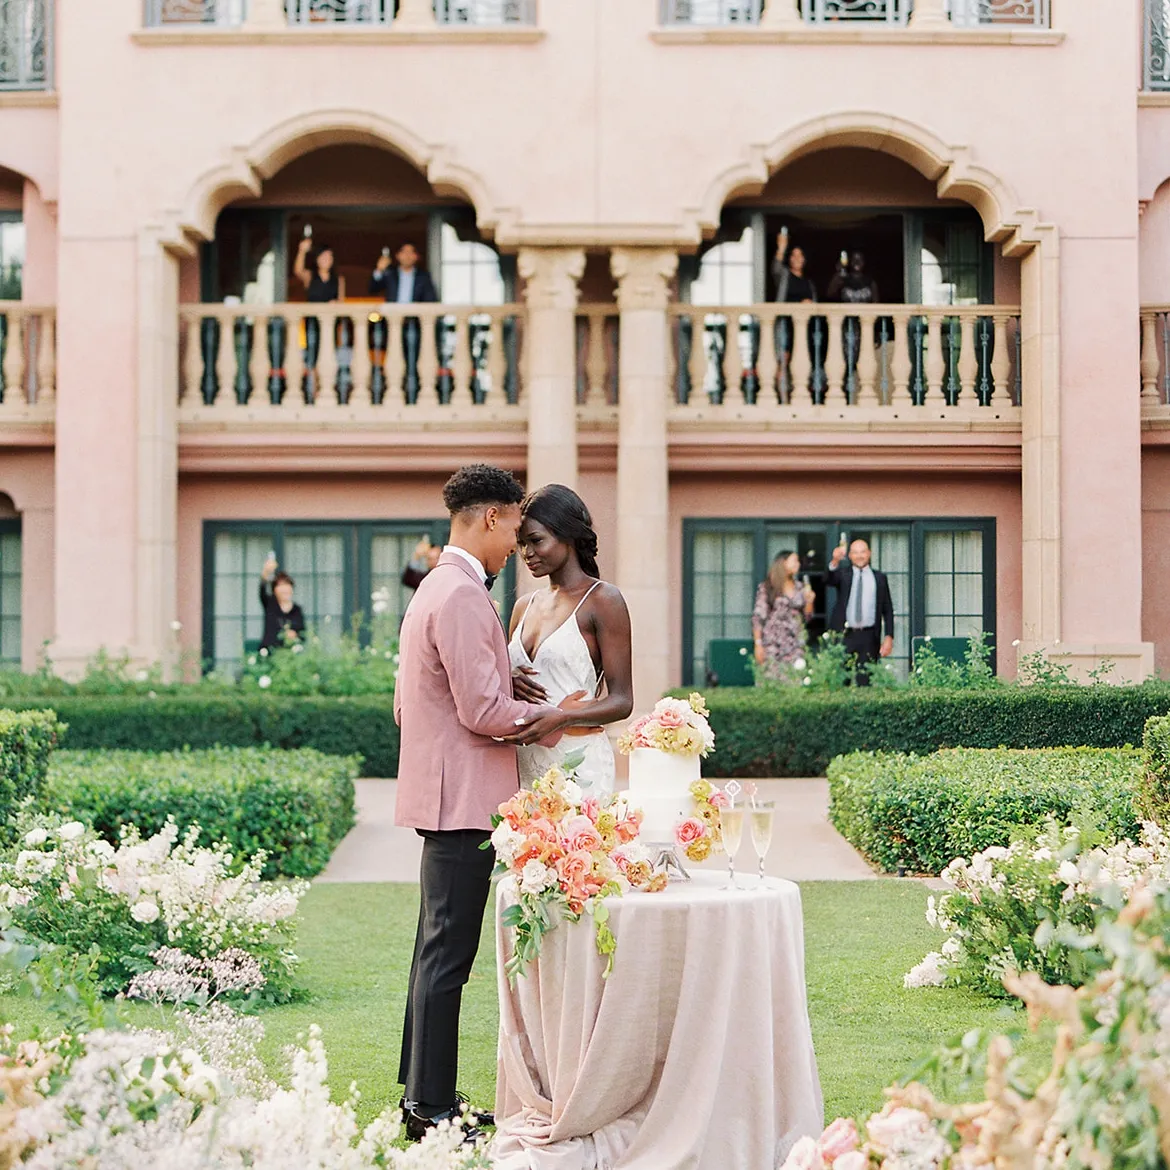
(507, 842)
(36, 837)
(102, 850)
(144, 911)
(176, 626)
(264, 682)
(1068, 873)
(70, 831)
(142, 675)
(799, 664)
(571, 791)
(535, 877)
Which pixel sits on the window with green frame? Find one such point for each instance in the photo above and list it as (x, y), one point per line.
(941, 574)
(337, 566)
(10, 592)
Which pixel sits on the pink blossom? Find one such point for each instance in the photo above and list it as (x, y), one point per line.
(839, 1138)
(805, 1155)
(669, 718)
(885, 1129)
(573, 868)
(853, 1160)
(591, 807)
(719, 799)
(690, 831)
(628, 829)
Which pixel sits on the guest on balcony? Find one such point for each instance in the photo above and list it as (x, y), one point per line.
(852, 285)
(284, 620)
(406, 285)
(793, 288)
(322, 287)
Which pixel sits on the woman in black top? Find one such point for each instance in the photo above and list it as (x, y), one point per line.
(793, 288)
(322, 286)
(284, 621)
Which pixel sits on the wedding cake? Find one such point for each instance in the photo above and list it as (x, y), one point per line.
(665, 749)
(660, 785)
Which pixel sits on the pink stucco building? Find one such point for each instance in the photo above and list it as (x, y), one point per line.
(596, 187)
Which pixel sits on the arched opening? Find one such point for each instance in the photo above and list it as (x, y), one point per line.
(12, 235)
(348, 223)
(862, 226)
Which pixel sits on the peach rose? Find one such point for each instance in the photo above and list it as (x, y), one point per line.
(626, 830)
(670, 718)
(719, 799)
(840, 1138)
(805, 1155)
(573, 868)
(581, 836)
(591, 807)
(690, 831)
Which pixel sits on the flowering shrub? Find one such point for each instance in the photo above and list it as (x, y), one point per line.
(562, 855)
(1029, 906)
(136, 1100)
(67, 886)
(677, 726)
(312, 666)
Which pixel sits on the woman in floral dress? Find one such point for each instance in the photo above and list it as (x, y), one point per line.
(783, 603)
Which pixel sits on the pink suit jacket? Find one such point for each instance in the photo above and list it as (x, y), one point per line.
(453, 693)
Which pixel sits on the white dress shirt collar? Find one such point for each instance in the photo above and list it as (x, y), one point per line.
(473, 561)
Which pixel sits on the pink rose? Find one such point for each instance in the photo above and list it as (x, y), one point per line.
(840, 1138)
(627, 830)
(581, 836)
(805, 1155)
(573, 869)
(690, 831)
(719, 799)
(853, 1160)
(543, 829)
(886, 1128)
(591, 807)
(670, 718)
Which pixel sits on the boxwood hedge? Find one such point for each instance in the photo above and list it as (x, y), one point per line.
(27, 739)
(295, 805)
(781, 733)
(921, 812)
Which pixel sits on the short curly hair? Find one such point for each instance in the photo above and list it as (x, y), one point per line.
(479, 485)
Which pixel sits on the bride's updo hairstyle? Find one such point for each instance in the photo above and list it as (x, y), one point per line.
(563, 513)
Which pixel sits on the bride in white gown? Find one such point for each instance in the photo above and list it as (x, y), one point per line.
(570, 639)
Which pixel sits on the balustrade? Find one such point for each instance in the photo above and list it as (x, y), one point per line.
(235, 13)
(386, 357)
(1155, 359)
(28, 358)
(26, 44)
(598, 339)
(786, 359)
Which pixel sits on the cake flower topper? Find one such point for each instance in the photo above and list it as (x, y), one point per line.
(733, 789)
(752, 789)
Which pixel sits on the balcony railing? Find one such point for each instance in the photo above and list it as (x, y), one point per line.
(909, 361)
(385, 358)
(26, 44)
(1155, 361)
(28, 357)
(598, 344)
(234, 13)
(1156, 46)
(962, 13)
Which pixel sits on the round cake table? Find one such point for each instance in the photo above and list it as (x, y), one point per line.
(696, 1052)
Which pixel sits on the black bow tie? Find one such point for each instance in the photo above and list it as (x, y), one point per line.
(488, 583)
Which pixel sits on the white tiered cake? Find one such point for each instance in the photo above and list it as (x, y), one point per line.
(660, 785)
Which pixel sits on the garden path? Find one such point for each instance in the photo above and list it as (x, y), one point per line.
(805, 847)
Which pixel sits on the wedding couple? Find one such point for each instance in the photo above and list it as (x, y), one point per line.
(478, 713)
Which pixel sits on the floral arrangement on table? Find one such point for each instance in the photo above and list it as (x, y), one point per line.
(699, 835)
(677, 726)
(564, 854)
(1029, 906)
(65, 885)
(1103, 1099)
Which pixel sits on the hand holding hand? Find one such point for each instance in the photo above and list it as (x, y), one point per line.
(525, 688)
(887, 647)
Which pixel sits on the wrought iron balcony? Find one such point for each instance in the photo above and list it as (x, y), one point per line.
(234, 13)
(962, 13)
(26, 44)
(1156, 47)
(225, 13)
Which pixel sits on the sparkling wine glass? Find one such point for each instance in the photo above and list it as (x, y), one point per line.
(763, 816)
(731, 826)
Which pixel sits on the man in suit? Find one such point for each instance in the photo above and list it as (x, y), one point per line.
(407, 285)
(864, 610)
(457, 764)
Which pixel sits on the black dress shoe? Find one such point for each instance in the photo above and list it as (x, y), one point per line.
(417, 1126)
(482, 1116)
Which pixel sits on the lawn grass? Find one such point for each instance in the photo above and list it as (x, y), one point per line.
(861, 937)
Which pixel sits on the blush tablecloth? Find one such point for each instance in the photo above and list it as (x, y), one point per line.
(695, 1053)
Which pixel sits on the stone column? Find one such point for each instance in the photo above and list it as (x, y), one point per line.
(266, 15)
(643, 483)
(550, 355)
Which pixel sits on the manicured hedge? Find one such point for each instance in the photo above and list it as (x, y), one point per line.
(921, 812)
(295, 805)
(1154, 799)
(27, 739)
(781, 733)
(339, 726)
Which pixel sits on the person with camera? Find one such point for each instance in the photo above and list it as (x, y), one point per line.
(424, 558)
(284, 620)
(407, 284)
(322, 286)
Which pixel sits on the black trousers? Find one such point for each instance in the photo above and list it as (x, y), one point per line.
(864, 645)
(454, 879)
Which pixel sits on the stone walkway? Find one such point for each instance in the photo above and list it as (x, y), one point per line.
(805, 847)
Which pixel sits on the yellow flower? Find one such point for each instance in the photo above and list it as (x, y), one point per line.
(606, 822)
(699, 850)
(701, 789)
(698, 704)
(608, 837)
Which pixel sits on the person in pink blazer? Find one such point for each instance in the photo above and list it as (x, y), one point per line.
(457, 764)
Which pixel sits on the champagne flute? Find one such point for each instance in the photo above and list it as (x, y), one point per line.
(731, 826)
(763, 816)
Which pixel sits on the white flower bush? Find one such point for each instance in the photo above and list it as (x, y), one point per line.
(1027, 906)
(66, 885)
(139, 1100)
